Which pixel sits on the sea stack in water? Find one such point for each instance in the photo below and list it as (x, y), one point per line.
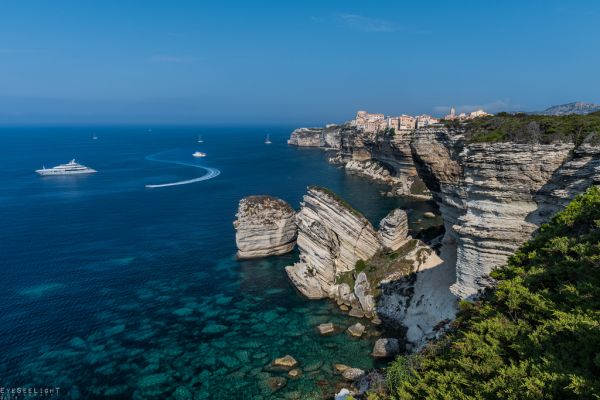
(265, 226)
(332, 237)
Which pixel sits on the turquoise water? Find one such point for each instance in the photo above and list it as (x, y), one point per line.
(113, 290)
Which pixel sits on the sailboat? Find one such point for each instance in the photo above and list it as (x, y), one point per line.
(200, 139)
(267, 140)
(94, 137)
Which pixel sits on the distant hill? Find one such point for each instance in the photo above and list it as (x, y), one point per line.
(571, 108)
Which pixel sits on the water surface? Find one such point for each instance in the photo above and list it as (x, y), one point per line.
(114, 290)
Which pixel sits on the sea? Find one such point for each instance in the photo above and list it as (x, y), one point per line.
(114, 290)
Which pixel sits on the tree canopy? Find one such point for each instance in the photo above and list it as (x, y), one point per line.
(535, 335)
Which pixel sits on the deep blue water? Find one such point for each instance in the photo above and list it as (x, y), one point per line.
(113, 290)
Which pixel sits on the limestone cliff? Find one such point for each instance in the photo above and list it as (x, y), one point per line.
(382, 158)
(265, 226)
(492, 197)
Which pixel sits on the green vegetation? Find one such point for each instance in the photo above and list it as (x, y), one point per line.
(525, 128)
(387, 132)
(536, 335)
(381, 265)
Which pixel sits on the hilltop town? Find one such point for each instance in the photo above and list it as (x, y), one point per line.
(374, 122)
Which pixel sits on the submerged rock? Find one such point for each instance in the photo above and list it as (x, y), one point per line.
(294, 373)
(385, 348)
(265, 226)
(326, 328)
(286, 361)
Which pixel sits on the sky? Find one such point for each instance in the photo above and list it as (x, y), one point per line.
(288, 62)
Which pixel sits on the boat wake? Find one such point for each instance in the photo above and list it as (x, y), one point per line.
(210, 172)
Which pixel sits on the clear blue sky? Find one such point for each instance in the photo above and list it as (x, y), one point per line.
(290, 61)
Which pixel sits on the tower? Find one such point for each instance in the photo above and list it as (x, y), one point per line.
(452, 112)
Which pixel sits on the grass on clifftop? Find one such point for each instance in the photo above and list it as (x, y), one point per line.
(535, 336)
(525, 128)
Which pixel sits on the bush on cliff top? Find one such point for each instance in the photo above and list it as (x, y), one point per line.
(525, 128)
(535, 336)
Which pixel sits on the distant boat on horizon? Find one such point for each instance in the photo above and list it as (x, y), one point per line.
(267, 140)
(94, 137)
(199, 154)
(200, 139)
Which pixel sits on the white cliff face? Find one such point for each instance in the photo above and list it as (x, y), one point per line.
(328, 137)
(332, 237)
(494, 196)
(265, 226)
(393, 229)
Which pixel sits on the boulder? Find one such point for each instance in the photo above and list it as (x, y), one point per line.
(286, 361)
(340, 367)
(352, 374)
(362, 291)
(386, 347)
(357, 329)
(326, 328)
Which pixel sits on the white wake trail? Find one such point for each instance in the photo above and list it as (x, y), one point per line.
(210, 173)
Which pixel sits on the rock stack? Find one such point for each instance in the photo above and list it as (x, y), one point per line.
(265, 226)
(393, 229)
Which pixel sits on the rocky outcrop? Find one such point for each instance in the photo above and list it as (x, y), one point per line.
(343, 258)
(265, 226)
(393, 229)
(492, 197)
(332, 237)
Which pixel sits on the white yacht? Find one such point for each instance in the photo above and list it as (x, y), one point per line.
(199, 154)
(71, 168)
(267, 140)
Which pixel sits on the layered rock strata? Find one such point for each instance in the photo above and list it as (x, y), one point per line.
(492, 197)
(332, 237)
(265, 226)
(393, 229)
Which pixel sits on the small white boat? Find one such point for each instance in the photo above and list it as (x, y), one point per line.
(94, 137)
(200, 139)
(199, 154)
(267, 140)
